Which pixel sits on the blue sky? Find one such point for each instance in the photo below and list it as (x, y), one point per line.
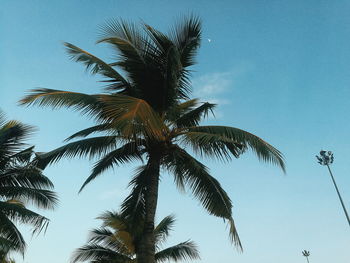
(279, 69)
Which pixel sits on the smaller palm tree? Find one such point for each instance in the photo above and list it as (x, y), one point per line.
(118, 240)
(306, 254)
(21, 183)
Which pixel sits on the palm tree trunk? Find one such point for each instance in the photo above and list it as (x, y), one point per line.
(146, 251)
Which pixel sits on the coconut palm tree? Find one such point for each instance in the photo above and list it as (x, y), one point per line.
(306, 254)
(145, 114)
(119, 238)
(21, 183)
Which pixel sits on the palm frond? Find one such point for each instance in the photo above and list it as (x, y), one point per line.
(92, 147)
(97, 128)
(179, 109)
(20, 214)
(132, 116)
(213, 145)
(204, 187)
(95, 252)
(108, 239)
(23, 156)
(162, 230)
(87, 104)
(39, 197)
(261, 148)
(183, 251)
(25, 176)
(133, 207)
(193, 117)
(187, 37)
(127, 39)
(127, 153)
(114, 220)
(12, 137)
(97, 65)
(10, 232)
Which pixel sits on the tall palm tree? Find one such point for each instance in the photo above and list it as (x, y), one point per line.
(145, 114)
(118, 240)
(21, 183)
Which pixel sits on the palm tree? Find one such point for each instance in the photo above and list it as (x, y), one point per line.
(118, 240)
(21, 183)
(306, 254)
(145, 114)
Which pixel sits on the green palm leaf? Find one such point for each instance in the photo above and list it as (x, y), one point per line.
(193, 117)
(261, 148)
(127, 153)
(98, 66)
(98, 253)
(205, 188)
(97, 128)
(10, 233)
(187, 37)
(132, 116)
(213, 145)
(162, 230)
(92, 147)
(183, 251)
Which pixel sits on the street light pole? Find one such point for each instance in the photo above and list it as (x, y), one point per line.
(327, 158)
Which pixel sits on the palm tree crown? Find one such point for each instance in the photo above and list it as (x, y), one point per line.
(21, 183)
(146, 114)
(118, 240)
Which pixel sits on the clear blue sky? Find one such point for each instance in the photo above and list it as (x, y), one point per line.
(279, 69)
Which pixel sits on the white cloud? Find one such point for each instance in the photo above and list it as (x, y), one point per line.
(214, 84)
(214, 87)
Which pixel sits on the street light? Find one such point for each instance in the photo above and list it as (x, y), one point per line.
(326, 158)
(306, 254)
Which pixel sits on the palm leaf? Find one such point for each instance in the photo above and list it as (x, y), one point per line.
(183, 251)
(87, 104)
(213, 145)
(179, 109)
(193, 117)
(133, 207)
(132, 116)
(205, 188)
(39, 197)
(91, 147)
(10, 232)
(20, 214)
(126, 38)
(261, 148)
(25, 176)
(187, 37)
(162, 230)
(97, 65)
(127, 153)
(96, 252)
(97, 128)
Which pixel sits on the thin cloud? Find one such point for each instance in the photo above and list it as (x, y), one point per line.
(214, 87)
